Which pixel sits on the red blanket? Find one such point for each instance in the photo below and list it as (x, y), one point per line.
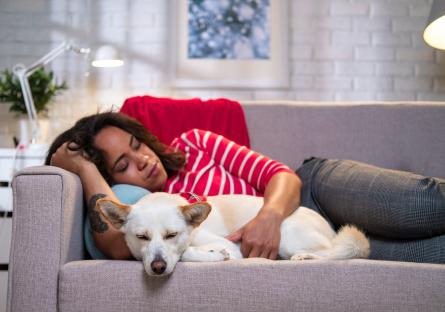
(168, 118)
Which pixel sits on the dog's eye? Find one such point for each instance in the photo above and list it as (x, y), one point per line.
(143, 237)
(171, 235)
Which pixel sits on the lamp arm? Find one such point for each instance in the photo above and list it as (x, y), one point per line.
(63, 47)
(47, 58)
(23, 73)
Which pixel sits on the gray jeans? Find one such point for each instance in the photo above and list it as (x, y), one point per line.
(403, 214)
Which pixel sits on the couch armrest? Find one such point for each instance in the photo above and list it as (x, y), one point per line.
(46, 233)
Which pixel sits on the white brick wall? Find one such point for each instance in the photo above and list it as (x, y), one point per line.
(338, 50)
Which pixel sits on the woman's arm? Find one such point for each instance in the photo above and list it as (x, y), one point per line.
(261, 236)
(280, 186)
(108, 240)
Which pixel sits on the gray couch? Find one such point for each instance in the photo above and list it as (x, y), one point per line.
(48, 270)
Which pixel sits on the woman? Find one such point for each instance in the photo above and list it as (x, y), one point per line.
(402, 213)
(111, 148)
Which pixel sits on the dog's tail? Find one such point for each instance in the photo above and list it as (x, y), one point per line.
(349, 243)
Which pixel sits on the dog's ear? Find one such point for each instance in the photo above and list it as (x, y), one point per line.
(115, 212)
(195, 213)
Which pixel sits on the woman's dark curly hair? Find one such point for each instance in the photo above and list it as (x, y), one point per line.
(86, 129)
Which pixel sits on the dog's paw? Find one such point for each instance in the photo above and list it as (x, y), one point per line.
(220, 254)
(226, 254)
(301, 257)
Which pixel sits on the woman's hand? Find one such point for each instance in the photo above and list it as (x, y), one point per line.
(261, 236)
(69, 159)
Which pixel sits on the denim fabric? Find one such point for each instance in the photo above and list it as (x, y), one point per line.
(428, 250)
(387, 203)
(403, 213)
(306, 172)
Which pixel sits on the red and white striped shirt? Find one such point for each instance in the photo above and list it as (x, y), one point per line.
(215, 165)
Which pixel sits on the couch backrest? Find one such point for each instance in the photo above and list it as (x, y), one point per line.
(406, 136)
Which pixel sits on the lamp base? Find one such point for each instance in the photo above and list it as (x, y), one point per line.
(25, 132)
(26, 136)
(37, 148)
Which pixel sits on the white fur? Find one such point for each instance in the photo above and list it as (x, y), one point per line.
(304, 234)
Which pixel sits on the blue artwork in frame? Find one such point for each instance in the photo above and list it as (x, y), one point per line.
(228, 29)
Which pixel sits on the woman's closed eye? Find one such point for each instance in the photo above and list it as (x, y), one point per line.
(122, 163)
(135, 144)
(121, 166)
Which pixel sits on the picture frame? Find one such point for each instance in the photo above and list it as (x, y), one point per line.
(270, 72)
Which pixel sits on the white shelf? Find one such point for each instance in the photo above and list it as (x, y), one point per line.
(6, 199)
(12, 159)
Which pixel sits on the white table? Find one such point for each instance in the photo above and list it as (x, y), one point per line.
(12, 160)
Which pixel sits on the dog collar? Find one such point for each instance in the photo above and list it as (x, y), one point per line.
(192, 197)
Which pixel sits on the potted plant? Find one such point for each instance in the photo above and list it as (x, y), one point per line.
(43, 89)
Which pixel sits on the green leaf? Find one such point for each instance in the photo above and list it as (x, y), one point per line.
(43, 88)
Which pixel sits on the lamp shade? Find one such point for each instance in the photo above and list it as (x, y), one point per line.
(434, 33)
(107, 56)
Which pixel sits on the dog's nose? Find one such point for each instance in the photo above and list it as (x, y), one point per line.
(158, 266)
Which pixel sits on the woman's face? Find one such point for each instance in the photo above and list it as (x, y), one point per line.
(130, 161)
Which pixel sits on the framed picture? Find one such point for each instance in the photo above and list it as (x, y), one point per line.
(230, 44)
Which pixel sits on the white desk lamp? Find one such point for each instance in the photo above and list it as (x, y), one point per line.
(434, 33)
(106, 56)
(22, 73)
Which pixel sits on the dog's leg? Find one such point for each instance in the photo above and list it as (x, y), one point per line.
(200, 254)
(204, 247)
(349, 243)
(306, 256)
(208, 241)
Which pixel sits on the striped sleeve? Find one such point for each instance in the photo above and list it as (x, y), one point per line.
(250, 166)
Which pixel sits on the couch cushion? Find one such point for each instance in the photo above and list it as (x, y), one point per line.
(404, 136)
(253, 285)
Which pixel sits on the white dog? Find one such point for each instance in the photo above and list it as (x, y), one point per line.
(161, 228)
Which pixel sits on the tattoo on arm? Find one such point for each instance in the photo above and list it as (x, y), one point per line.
(97, 224)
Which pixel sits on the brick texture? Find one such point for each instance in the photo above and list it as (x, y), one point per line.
(338, 50)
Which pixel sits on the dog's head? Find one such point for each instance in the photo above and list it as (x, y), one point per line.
(157, 228)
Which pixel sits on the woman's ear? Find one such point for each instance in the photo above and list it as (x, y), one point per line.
(113, 211)
(195, 213)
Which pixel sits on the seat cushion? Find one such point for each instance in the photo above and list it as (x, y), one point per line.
(252, 285)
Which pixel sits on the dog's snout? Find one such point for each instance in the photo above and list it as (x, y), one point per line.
(158, 266)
